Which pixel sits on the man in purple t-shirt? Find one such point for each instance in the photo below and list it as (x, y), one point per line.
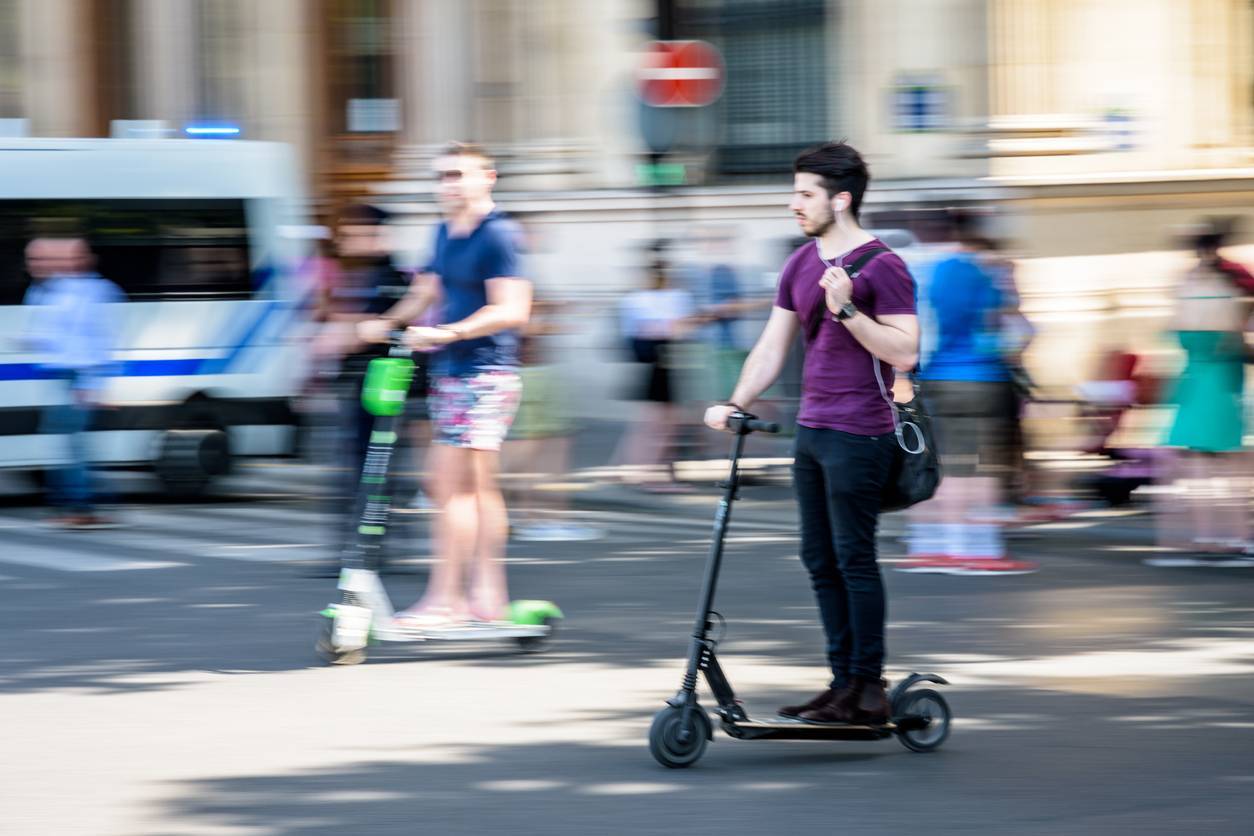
(845, 443)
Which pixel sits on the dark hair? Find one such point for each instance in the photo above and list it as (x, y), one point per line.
(363, 214)
(1214, 232)
(840, 167)
(967, 227)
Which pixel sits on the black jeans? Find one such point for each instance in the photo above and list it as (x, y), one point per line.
(839, 479)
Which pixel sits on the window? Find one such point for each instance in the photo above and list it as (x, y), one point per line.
(774, 101)
(363, 64)
(155, 250)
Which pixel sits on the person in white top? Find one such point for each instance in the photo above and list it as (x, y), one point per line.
(652, 320)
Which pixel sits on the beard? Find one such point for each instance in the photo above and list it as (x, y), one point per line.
(818, 226)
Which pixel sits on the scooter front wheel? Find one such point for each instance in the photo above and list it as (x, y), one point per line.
(671, 744)
(327, 650)
(923, 720)
(538, 644)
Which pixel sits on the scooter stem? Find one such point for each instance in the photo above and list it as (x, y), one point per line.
(701, 628)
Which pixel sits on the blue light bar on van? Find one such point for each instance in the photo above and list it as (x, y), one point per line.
(217, 131)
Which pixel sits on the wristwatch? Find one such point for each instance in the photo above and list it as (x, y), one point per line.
(847, 311)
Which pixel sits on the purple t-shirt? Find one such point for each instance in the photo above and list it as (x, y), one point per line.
(838, 387)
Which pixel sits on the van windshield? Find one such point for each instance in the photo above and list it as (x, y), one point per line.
(155, 250)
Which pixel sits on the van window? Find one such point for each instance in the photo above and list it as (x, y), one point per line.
(155, 250)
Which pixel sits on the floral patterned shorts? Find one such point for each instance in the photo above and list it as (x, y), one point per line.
(474, 411)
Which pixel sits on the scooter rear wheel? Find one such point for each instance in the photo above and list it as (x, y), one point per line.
(670, 746)
(929, 705)
(327, 651)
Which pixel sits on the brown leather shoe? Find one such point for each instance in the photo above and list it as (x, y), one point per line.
(872, 708)
(795, 711)
(864, 702)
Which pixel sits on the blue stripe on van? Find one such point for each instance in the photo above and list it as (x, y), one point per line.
(168, 368)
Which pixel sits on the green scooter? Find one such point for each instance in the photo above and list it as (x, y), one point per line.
(364, 613)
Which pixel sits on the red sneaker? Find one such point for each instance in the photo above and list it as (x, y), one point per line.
(934, 564)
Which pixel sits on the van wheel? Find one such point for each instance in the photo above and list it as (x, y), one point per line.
(189, 460)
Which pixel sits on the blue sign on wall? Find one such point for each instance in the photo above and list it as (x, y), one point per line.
(920, 104)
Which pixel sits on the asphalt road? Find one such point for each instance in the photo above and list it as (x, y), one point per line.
(161, 679)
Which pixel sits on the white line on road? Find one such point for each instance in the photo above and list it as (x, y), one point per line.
(65, 560)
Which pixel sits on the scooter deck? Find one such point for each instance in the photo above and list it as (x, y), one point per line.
(461, 632)
(784, 728)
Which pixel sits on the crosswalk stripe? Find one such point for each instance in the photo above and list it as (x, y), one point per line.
(282, 533)
(67, 560)
(197, 528)
(647, 522)
(298, 509)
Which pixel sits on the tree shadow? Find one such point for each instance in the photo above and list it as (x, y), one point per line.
(1067, 769)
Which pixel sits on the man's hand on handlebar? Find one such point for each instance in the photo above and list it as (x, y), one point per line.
(419, 337)
(717, 415)
(375, 330)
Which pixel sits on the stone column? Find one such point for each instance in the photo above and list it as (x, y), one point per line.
(436, 52)
(165, 37)
(1218, 41)
(54, 68)
(1023, 57)
(280, 93)
(553, 78)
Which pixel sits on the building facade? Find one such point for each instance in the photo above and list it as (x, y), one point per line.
(1093, 128)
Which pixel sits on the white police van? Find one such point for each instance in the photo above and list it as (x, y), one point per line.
(209, 359)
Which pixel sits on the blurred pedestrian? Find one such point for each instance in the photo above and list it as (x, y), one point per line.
(1207, 513)
(653, 321)
(476, 270)
(537, 450)
(856, 329)
(73, 330)
(717, 349)
(364, 284)
(319, 271)
(972, 397)
(721, 303)
(1015, 333)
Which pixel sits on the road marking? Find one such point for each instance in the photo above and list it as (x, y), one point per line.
(43, 557)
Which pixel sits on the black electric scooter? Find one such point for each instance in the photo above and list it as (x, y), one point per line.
(680, 731)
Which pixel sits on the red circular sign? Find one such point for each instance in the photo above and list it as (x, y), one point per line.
(680, 74)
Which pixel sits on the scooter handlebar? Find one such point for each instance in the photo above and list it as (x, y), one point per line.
(742, 423)
(396, 344)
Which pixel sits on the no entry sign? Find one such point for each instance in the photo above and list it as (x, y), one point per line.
(680, 74)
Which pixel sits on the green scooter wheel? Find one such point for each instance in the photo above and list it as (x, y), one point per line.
(535, 613)
(538, 644)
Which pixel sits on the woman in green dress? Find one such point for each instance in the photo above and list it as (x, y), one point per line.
(1211, 473)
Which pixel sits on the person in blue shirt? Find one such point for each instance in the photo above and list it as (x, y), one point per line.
(970, 392)
(474, 270)
(71, 329)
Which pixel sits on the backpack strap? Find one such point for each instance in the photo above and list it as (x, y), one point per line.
(853, 270)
